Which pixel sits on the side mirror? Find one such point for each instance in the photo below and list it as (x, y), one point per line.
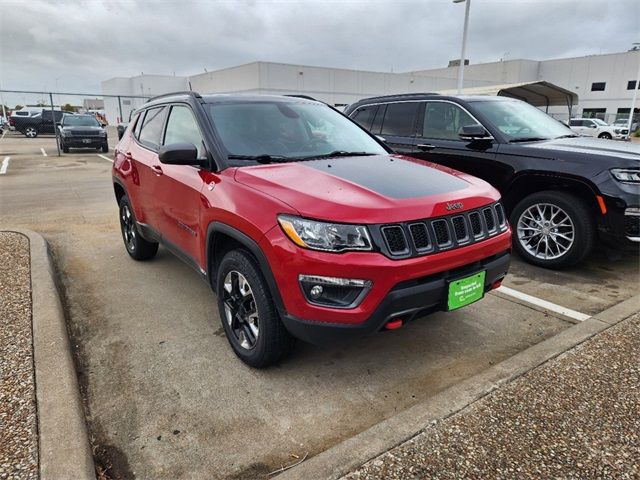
(103, 125)
(474, 132)
(58, 124)
(181, 153)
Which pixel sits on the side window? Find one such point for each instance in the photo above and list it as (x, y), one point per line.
(182, 127)
(152, 127)
(363, 116)
(400, 119)
(139, 119)
(443, 120)
(575, 123)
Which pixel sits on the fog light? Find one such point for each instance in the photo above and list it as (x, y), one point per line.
(315, 292)
(334, 292)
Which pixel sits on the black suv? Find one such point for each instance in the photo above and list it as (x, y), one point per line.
(562, 191)
(82, 131)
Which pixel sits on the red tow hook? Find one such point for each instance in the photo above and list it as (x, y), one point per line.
(496, 284)
(393, 324)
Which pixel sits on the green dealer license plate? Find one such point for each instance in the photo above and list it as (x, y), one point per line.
(466, 290)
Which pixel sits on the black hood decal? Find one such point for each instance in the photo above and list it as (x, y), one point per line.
(390, 176)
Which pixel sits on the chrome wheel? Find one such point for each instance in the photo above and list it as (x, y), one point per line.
(128, 227)
(241, 311)
(31, 132)
(545, 231)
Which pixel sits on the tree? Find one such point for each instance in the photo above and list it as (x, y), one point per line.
(67, 107)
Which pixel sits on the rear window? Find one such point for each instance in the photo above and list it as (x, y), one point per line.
(400, 119)
(152, 127)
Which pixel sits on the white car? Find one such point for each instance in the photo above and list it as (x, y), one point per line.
(594, 127)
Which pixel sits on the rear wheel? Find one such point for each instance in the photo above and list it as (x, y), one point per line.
(30, 132)
(137, 247)
(605, 135)
(553, 229)
(248, 314)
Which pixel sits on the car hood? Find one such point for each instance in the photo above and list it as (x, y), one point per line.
(77, 128)
(607, 153)
(368, 189)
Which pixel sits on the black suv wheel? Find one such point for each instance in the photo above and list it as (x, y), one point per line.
(552, 229)
(248, 315)
(137, 247)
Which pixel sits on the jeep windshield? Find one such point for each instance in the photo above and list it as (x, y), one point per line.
(280, 131)
(520, 122)
(80, 121)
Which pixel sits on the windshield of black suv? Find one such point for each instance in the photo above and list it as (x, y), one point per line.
(519, 121)
(80, 121)
(287, 131)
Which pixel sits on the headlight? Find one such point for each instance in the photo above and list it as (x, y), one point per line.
(66, 133)
(626, 175)
(618, 131)
(103, 133)
(328, 237)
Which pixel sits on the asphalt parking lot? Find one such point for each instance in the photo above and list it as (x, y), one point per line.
(166, 396)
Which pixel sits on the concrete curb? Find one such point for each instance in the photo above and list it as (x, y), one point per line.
(63, 443)
(355, 451)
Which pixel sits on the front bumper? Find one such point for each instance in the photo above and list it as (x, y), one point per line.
(620, 226)
(84, 142)
(288, 261)
(406, 301)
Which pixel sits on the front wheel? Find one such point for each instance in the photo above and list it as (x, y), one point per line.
(30, 132)
(606, 136)
(249, 317)
(553, 229)
(105, 148)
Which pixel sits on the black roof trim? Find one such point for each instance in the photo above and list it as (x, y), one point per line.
(304, 97)
(175, 94)
(402, 95)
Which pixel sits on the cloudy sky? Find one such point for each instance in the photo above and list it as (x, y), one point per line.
(76, 45)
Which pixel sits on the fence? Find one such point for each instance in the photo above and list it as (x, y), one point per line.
(109, 109)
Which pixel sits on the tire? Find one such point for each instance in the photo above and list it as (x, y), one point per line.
(65, 149)
(570, 235)
(30, 132)
(605, 135)
(258, 342)
(105, 148)
(137, 247)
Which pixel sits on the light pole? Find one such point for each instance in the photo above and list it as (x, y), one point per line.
(635, 96)
(464, 43)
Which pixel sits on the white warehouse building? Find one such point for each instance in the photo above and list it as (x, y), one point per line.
(603, 83)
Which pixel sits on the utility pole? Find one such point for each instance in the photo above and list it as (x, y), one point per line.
(53, 119)
(464, 43)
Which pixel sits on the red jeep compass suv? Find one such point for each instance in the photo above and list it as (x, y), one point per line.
(304, 224)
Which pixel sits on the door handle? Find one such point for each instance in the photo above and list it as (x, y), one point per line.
(157, 169)
(425, 146)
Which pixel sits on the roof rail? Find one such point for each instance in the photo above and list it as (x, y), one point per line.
(401, 95)
(173, 94)
(305, 97)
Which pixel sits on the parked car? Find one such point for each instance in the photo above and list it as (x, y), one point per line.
(624, 123)
(304, 224)
(561, 191)
(23, 112)
(594, 127)
(82, 131)
(43, 122)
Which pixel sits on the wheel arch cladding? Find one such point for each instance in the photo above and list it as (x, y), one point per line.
(222, 238)
(526, 184)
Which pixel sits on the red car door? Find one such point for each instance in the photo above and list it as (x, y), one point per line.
(177, 197)
(143, 154)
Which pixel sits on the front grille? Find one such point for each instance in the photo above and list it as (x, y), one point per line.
(84, 133)
(396, 242)
(437, 234)
(488, 217)
(632, 225)
(476, 224)
(420, 236)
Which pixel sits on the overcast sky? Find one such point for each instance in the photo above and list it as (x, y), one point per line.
(76, 45)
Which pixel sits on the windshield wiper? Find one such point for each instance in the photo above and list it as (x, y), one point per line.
(567, 136)
(263, 158)
(528, 139)
(337, 153)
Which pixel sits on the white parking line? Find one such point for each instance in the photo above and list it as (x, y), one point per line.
(44, 154)
(106, 158)
(538, 302)
(5, 165)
